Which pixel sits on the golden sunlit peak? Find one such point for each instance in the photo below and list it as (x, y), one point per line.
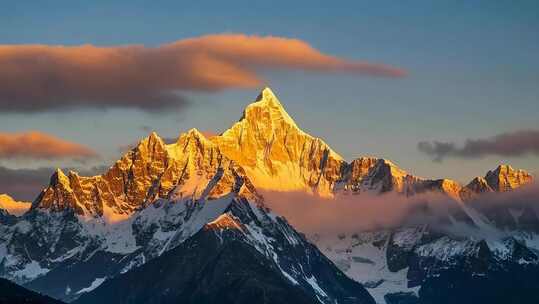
(266, 94)
(59, 178)
(154, 134)
(195, 132)
(60, 174)
(225, 221)
(268, 98)
(154, 137)
(12, 206)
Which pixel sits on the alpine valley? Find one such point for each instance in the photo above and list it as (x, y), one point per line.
(189, 222)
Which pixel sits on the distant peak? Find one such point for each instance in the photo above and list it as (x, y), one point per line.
(505, 178)
(479, 184)
(5, 197)
(479, 180)
(12, 206)
(153, 134)
(502, 168)
(195, 132)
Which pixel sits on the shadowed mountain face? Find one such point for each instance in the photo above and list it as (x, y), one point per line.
(244, 256)
(11, 293)
(193, 211)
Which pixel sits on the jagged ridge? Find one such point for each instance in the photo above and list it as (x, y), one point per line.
(265, 145)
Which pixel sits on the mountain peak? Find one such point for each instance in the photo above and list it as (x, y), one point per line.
(503, 169)
(267, 95)
(59, 177)
(12, 206)
(505, 178)
(152, 139)
(275, 153)
(225, 221)
(195, 133)
(268, 109)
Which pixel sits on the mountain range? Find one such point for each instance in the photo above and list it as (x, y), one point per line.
(188, 222)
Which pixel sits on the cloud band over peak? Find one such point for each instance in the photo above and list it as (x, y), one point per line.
(41, 77)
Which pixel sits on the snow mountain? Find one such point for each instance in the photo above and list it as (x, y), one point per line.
(478, 246)
(246, 255)
(85, 237)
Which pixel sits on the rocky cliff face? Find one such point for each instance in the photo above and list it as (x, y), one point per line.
(150, 171)
(275, 153)
(123, 188)
(377, 175)
(505, 178)
(502, 179)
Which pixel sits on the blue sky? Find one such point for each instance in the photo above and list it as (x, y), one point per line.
(473, 72)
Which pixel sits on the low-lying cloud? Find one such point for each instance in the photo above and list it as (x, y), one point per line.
(516, 143)
(369, 212)
(39, 145)
(356, 213)
(41, 77)
(523, 197)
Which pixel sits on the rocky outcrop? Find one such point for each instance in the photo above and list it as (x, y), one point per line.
(275, 153)
(505, 178)
(476, 187)
(150, 171)
(378, 175)
(502, 179)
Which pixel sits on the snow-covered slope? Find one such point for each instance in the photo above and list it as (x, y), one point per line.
(79, 224)
(395, 264)
(245, 255)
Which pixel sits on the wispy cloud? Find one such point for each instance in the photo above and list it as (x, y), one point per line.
(517, 143)
(41, 77)
(38, 145)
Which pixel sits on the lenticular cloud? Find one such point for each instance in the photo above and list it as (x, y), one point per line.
(43, 77)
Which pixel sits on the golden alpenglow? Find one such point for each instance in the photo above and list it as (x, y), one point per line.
(265, 149)
(275, 153)
(12, 206)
